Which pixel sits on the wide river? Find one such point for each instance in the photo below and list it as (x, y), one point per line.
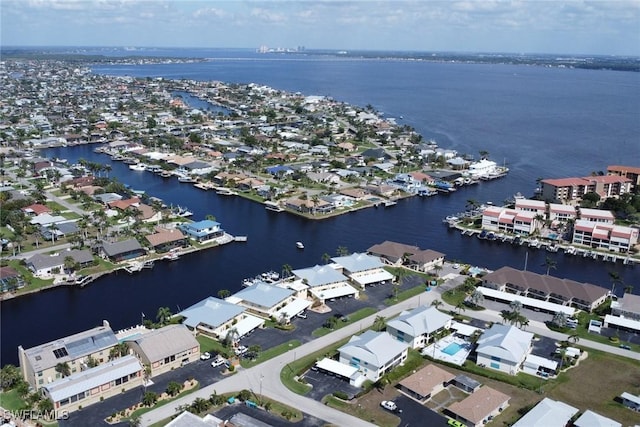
(542, 122)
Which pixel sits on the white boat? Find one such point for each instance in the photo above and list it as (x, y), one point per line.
(273, 206)
(185, 178)
(299, 245)
(138, 167)
(181, 212)
(535, 243)
(225, 192)
(172, 255)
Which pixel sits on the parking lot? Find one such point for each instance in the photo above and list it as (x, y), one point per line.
(324, 384)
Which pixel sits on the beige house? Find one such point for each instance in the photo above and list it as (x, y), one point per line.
(38, 364)
(480, 407)
(93, 385)
(166, 348)
(425, 383)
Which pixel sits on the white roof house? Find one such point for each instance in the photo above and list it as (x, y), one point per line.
(363, 269)
(504, 348)
(591, 419)
(547, 413)
(214, 316)
(415, 326)
(325, 282)
(373, 353)
(263, 298)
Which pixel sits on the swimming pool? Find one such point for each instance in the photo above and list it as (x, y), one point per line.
(452, 349)
(552, 236)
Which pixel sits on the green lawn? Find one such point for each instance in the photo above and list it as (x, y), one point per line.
(404, 295)
(211, 345)
(352, 318)
(270, 353)
(11, 401)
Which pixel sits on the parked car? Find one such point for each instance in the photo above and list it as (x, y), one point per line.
(205, 356)
(624, 346)
(241, 350)
(218, 361)
(455, 423)
(390, 405)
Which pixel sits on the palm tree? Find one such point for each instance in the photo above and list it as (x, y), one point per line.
(223, 293)
(460, 307)
(342, 251)
(232, 337)
(379, 323)
(326, 258)
(63, 369)
(436, 303)
(286, 270)
(163, 316)
(516, 306)
(550, 263)
(559, 319)
(573, 337)
(437, 268)
(476, 297)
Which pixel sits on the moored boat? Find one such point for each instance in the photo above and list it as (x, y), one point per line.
(299, 245)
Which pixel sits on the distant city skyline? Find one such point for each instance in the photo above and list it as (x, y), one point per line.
(558, 27)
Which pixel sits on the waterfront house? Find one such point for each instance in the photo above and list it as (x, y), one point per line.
(614, 238)
(202, 231)
(45, 265)
(363, 269)
(263, 299)
(548, 413)
(373, 353)
(215, 318)
(58, 230)
(38, 364)
(309, 205)
(425, 260)
(10, 279)
(425, 383)
(418, 326)
(480, 407)
(124, 250)
(567, 292)
(504, 348)
(325, 283)
(46, 219)
(106, 198)
(392, 252)
(482, 167)
(165, 349)
(124, 204)
(93, 385)
(163, 240)
(538, 207)
(627, 306)
(591, 419)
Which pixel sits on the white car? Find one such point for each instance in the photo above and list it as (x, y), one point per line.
(241, 350)
(389, 405)
(205, 356)
(218, 361)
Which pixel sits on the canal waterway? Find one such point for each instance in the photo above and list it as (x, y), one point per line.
(542, 122)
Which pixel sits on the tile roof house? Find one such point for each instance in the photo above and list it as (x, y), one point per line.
(547, 413)
(363, 269)
(392, 252)
(215, 318)
(166, 348)
(584, 296)
(373, 353)
(504, 348)
(38, 363)
(427, 382)
(480, 407)
(416, 327)
(166, 239)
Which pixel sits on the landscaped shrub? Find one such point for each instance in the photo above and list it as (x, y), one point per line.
(341, 395)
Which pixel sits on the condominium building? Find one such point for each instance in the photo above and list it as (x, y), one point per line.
(495, 218)
(608, 237)
(572, 190)
(42, 364)
(630, 172)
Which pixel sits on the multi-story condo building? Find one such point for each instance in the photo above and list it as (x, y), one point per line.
(42, 364)
(572, 190)
(495, 218)
(605, 236)
(631, 172)
(596, 215)
(538, 207)
(560, 212)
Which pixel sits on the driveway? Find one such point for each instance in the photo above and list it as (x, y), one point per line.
(324, 384)
(415, 414)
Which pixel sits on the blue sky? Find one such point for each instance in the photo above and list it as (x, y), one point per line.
(535, 26)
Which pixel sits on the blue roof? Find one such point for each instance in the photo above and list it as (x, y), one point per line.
(275, 169)
(212, 311)
(264, 295)
(320, 275)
